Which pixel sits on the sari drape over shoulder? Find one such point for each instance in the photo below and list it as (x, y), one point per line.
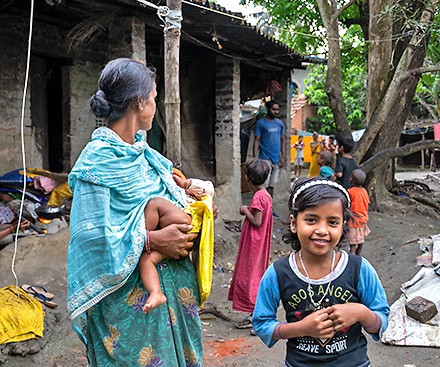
(112, 182)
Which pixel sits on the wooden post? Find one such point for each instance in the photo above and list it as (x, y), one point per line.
(422, 154)
(172, 89)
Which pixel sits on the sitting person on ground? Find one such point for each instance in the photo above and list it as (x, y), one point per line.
(8, 220)
(325, 160)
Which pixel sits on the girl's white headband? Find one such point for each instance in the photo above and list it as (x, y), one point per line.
(320, 182)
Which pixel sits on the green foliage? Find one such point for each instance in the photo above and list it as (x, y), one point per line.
(428, 89)
(296, 23)
(354, 95)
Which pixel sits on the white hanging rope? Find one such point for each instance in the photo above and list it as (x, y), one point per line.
(172, 19)
(23, 153)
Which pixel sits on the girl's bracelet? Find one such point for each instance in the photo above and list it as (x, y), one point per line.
(277, 330)
(147, 242)
(378, 321)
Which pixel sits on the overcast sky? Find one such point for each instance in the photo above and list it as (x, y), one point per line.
(234, 5)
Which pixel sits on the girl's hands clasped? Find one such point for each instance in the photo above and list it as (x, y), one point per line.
(346, 314)
(318, 325)
(173, 241)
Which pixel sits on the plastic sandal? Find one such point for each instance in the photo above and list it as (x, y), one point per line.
(37, 289)
(246, 323)
(44, 300)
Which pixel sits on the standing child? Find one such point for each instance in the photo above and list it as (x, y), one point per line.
(315, 148)
(325, 160)
(328, 296)
(345, 163)
(255, 241)
(299, 155)
(359, 207)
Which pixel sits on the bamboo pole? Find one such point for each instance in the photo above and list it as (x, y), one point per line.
(172, 89)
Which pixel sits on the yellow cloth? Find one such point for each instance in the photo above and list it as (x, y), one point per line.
(203, 256)
(59, 195)
(314, 166)
(21, 316)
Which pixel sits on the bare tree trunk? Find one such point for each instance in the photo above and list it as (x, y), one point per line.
(172, 89)
(380, 53)
(329, 13)
(390, 115)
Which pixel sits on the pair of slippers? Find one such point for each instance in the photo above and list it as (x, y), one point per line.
(41, 294)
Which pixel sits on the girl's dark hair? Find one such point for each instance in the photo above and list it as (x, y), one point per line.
(121, 82)
(315, 196)
(257, 171)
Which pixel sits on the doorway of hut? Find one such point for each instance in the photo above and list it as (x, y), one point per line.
(50, 125)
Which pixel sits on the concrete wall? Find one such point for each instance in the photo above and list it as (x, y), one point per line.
(80, 72)
(47, 41)
(227, 136)
(12, 72)
(83, 78)
(282, 190)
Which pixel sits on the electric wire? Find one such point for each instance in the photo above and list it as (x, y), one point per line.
(23, 153)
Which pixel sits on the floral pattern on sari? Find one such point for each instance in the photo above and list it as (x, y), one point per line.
(136, 298)
(148, 358)
(188, 301)
(191, 359)
(110, 342)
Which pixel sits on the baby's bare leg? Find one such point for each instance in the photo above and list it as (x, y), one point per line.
(159, 213)
(150, 279)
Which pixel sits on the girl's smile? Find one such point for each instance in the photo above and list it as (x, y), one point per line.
(319, 228)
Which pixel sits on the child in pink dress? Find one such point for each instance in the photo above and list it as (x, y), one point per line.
(255, 241)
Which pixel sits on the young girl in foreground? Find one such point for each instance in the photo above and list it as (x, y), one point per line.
(329, 296)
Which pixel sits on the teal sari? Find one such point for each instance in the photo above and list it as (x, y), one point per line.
(112, 182)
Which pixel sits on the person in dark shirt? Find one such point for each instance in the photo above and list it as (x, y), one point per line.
(345, 164)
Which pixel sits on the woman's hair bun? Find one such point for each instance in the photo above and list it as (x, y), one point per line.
(100, 105)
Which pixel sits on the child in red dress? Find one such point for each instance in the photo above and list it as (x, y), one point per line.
(255, 241)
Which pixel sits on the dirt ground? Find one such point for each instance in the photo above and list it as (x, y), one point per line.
(391, 248)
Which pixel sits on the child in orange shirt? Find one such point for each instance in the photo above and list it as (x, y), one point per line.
(358, 228)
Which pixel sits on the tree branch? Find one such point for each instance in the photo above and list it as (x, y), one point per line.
(351, 21)
(343, 8)
(391, 153)
(419, 71)
(429, 108)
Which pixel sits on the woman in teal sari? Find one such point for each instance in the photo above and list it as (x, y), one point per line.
(112, 181)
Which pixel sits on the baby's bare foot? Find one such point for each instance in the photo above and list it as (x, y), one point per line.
(154, 300)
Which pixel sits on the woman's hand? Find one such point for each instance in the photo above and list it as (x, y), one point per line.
(173, 240)
(24, 224)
